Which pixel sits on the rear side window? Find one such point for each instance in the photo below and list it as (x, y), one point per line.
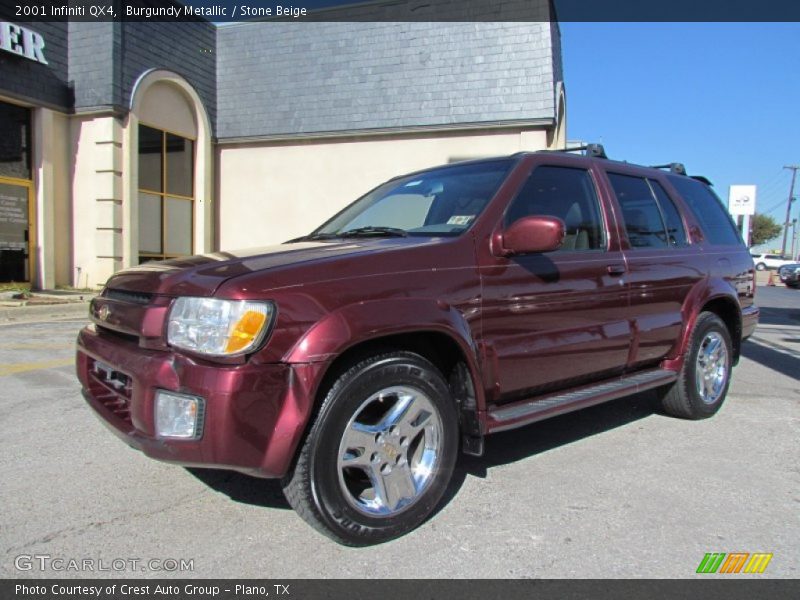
(649, 223)
(717, 225)
(566, 193)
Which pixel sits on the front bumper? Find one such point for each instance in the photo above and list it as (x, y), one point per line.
(254, 418)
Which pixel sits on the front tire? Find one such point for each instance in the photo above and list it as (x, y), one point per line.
(704, 379)
(761, 267)
(380, 454)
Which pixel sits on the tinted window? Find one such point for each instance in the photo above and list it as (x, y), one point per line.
(180, 165)
(151, 158)
(675, 230)
(568, 194)
(713, 218)
(643, 221)
(15, 131)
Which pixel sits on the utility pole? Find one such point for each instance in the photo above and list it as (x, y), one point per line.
(788, 207)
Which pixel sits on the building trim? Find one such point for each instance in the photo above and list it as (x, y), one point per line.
(470, 128)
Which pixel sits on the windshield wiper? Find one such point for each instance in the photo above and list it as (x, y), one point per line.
(317, 236)
(372, 230)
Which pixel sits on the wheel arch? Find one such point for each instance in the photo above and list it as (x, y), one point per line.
(727, 309)
(719, 298)
(438, 332)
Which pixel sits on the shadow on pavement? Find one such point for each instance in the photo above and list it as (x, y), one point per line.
(501, 448)
(779, 316)
(243, 488)
(518, 444)
(781, 362)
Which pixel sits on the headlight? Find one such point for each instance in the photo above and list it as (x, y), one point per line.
(218, 327)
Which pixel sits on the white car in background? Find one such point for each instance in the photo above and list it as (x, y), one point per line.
(769, 261)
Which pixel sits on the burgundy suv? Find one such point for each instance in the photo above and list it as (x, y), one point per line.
(440, 307)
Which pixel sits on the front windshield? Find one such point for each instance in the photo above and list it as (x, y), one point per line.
(443, 201)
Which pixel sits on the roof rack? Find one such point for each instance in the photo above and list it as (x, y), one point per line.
(593, 150)
(674, 167)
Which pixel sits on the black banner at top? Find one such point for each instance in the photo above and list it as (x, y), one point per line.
(222, 11)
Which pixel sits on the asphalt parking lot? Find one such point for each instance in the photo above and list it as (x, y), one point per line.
(618, 490)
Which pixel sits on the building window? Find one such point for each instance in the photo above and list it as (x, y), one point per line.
(16, 193)
(166, 195)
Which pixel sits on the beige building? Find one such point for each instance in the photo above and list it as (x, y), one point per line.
(129, 142)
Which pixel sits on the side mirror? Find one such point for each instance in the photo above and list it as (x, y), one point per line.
(530, 235)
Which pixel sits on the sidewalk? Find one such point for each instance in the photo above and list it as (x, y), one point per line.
(44, 305)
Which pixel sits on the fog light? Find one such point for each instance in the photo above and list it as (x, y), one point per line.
(178, 415)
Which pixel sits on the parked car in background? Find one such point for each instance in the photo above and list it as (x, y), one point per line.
(769, 261)
(354, 363)
(790, 275)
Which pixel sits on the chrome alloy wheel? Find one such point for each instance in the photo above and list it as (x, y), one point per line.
(390, 451)
(711, 368)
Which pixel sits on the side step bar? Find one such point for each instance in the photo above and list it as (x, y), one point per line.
(525, 412)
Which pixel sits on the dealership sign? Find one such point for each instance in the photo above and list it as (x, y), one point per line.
(22, 42)
(742, 200)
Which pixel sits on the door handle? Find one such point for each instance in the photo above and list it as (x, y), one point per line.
(616, 269)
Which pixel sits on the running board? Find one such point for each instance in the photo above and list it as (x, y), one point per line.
(525, 412)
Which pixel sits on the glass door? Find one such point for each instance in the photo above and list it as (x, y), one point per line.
(15, 230)
(16, 198)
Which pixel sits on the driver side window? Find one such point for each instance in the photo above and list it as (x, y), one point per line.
(567, 193)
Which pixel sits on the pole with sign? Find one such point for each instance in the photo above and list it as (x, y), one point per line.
(742, 201)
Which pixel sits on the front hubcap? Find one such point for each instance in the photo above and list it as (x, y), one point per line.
(390, 451)
(711, 369)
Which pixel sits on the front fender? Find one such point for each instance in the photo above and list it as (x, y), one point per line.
(362, 322)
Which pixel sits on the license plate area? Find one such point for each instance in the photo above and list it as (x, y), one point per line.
(116, 381)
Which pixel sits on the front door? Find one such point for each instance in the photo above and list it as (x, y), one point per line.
(558, 319)
(15, 230)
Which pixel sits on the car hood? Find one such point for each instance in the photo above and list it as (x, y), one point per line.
(202, 275)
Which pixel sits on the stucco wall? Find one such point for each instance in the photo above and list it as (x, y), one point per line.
(270, 193)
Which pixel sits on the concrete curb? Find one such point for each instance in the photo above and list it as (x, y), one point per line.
(22, 314)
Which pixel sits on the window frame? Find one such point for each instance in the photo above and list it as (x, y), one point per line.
(164, 195)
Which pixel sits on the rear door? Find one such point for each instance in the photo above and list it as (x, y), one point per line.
(662, 264)
(558, 319)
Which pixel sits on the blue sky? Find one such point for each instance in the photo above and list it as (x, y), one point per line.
(722, 98)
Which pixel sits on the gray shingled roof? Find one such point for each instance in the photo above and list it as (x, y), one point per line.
(277, 78)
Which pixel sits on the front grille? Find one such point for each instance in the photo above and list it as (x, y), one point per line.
(142, 298)
(112, 388)
(128, 337)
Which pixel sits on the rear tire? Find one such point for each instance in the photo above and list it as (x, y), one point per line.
(380, 454)
(761, 267)
(704, 379)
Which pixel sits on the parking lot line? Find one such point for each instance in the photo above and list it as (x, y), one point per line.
(14, 368)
